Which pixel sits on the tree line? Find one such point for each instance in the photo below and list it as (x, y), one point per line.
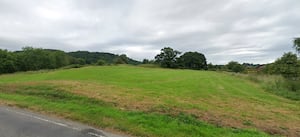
(30, 59)
(37, 58)
(288, 65)
(169, 58)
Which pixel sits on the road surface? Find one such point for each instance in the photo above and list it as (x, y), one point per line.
(19, 123)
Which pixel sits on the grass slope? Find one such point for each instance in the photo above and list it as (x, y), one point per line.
(155, 102)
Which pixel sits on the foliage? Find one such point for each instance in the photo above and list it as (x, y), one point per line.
(101, 62)
(297, 44)
(122, 59)
(30, 58)
(79, 61)
(145, 61)
(193, 60)
(36, 58)
(167, 58)
(93, 57)
(7, 62)
(212, 67)
(235, 67)
(288, 66)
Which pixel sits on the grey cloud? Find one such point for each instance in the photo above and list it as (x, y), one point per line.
(255, 31)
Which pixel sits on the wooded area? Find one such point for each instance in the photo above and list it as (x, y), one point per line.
(36, 59)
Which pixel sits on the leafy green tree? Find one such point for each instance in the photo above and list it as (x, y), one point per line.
(167, 58)
(122, 59)
(235, 66)
(101, 62)
(61, 58)
(288, 66)
(36, 59)
(79, 61)
(210, 66)
(193, 60)
(145, 61)
(7, 62)
(297, 44)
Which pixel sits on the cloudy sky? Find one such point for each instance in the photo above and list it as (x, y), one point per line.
(254, 31)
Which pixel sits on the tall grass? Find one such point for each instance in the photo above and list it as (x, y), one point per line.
(276, 84)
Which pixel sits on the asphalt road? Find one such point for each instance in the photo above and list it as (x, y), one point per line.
(19, 123)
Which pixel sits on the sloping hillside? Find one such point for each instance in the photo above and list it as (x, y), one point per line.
(180, 99)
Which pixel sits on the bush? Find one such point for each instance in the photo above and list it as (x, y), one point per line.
(235, 67)
(101, 62)
(293, 85)
(276, 84)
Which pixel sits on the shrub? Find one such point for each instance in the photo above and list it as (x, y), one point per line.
(101, 62)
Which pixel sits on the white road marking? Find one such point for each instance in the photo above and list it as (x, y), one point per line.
(93, 134)
(39, 118)
(53, 122)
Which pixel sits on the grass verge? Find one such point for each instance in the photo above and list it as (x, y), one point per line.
(276, 84)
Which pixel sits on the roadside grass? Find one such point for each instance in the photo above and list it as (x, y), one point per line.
(106, 115)
(275, 84)
(216, 98)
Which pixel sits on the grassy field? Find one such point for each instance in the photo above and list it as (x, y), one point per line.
(155, 102)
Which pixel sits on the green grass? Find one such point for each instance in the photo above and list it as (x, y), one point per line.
(102, 114)
(155, 102)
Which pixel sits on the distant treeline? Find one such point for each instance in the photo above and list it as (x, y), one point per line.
(37, 58)
(109, 58)
(288, 65)
(170, 58)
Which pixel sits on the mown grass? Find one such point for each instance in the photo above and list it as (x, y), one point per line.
(106, 115)
(217, 98)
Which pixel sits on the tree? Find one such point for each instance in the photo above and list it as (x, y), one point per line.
(167, 58)
(212, 67)
(61, 58)
(193, 60)
(288, 66)
(235, 66)
(7, 62)
(122, 59)
(36, 59)
(297, 44)
(145, 61)
(101, 62)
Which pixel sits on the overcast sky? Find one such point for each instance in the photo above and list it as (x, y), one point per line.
(254, 31)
